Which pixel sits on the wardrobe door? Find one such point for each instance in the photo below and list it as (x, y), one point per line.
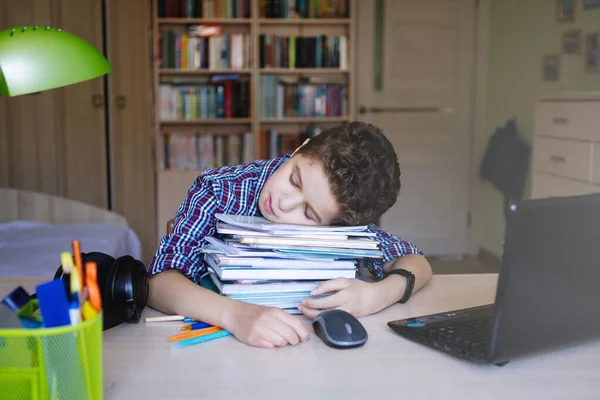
(82, 127)
(131, 141)
(28, 149)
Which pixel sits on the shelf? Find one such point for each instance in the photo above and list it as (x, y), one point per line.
(223, 21)
(303, 71)
(216, 121)
(173, 71)
(300, 21)
(302, 120)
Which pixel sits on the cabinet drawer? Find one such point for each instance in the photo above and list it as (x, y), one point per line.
(563, 157)
(543, 185)
(575, 120)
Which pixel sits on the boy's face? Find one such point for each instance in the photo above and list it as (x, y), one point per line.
(298, 193)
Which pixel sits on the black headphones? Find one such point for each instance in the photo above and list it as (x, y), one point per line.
(123, 285)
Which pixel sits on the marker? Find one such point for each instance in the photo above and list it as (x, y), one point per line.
(193, 327)
(53, 303)
(88, 311)
(189, 320)
(91, 281)
(66, 261)
(193, 334)
(74, 311)
(201, 339)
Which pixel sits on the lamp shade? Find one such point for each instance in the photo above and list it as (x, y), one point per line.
(33, 59)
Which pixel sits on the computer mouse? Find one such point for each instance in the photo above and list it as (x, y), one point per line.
(339, 329)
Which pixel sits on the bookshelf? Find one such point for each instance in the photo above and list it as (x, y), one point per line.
(234, 83)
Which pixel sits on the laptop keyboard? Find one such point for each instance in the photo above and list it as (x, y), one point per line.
(471, 335)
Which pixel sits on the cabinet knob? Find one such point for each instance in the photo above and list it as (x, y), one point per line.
(97, 101)
(121, 102)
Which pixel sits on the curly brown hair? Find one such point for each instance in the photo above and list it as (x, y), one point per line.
(362, 168)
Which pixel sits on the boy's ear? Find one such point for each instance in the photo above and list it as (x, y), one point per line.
(306, 141)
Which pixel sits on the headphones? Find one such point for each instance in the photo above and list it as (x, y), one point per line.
(123, 284)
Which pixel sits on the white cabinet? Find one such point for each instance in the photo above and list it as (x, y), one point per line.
(566, 148)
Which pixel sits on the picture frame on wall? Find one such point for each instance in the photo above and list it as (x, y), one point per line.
(590, 4)
(551, 67)
(571, 42)
(592, 51)
(565, 10)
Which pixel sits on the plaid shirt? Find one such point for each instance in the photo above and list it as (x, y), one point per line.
(235, 190)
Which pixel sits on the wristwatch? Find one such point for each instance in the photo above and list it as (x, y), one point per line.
(410, 282)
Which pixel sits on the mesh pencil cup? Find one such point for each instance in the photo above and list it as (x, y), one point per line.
(52, 363)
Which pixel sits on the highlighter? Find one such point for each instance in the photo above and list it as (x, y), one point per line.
(67, 266)
(78, 262)
(91, 282)
(88, 311)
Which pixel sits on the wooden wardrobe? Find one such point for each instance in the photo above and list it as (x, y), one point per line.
(92, 141)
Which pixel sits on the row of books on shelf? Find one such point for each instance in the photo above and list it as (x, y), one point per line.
(280, 98)
(187, 51)
(303, 51)
(204, 8)
(256, 261)
(210, 98)
(200, 151)
(304, 8)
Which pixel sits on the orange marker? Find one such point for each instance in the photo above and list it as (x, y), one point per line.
(91, 282)
(193, 334)
(78, 264)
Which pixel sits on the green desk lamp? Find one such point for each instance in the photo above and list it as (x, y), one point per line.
(34, 59)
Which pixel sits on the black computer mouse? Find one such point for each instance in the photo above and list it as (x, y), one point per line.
(339, 329)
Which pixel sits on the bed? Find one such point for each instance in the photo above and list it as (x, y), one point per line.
(35, 228)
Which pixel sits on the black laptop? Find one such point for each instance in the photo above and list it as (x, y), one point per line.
(548, 293)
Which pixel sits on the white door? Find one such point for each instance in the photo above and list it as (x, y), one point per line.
(415, 76)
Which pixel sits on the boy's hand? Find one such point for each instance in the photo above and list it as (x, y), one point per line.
(268, 327)
(354, 296)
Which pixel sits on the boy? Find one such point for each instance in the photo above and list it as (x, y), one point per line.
(348, 175)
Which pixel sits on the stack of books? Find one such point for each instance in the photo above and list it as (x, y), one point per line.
(257, 261)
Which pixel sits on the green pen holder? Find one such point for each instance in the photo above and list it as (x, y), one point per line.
(52, 363)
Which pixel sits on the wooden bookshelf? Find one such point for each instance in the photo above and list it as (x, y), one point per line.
(258, 125)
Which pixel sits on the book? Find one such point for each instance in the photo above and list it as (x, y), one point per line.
(263, 224)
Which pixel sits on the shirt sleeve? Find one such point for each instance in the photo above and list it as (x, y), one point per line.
(193, 222)
(392, 247)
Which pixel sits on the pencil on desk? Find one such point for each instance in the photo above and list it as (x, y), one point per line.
(165, 318)
(193, 334)
(201, 339)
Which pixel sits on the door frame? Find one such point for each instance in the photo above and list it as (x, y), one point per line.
(477, 142)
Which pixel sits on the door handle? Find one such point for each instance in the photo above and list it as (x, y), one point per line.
(120, 102)
(364, 110)
(556, 158)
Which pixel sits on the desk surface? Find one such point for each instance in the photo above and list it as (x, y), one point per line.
(138, 362)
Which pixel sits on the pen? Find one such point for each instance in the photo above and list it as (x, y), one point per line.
(74, 311)
(193, 327)
(77, 255)
(189, 320)
(193, 334)
(201, 339)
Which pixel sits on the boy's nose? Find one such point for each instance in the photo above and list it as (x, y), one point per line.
(289, 202)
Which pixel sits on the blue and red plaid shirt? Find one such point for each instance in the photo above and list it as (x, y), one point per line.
(235, 190)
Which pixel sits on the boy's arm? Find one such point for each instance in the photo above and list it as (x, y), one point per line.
(361, 298)
(177, 267)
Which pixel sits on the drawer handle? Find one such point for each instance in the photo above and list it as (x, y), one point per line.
(560, 120)
(557, 158)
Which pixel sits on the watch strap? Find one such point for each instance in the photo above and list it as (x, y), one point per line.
(410, 282)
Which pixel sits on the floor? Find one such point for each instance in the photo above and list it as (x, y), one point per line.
(462, 266)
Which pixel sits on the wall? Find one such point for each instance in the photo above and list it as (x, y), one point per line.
(520, 33)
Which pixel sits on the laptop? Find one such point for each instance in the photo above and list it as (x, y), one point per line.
(548, 291)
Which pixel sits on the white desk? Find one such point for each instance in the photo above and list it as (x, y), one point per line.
(139, 364)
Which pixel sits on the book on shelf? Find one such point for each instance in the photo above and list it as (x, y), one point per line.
(304, 8)
(287, 264)
(216, 97)
(281, 97)
(200, 151)
(291, 51)
(194, 49)
(274, 143)
(204, 8)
